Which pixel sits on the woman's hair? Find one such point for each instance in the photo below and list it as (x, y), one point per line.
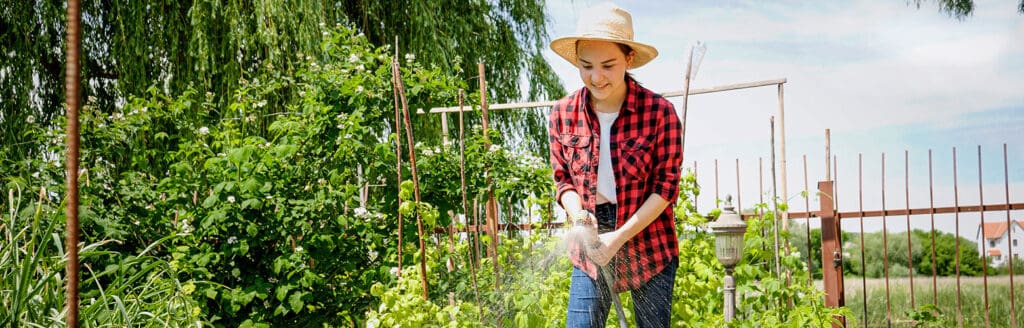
(625, 48)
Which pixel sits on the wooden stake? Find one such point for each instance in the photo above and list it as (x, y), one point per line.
(397, 75)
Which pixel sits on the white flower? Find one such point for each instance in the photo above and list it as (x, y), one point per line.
(326, 34)
(372, 254)
(204, 130)
(394, 271)
(410, 57)
(428, 152)
(231, 199)
(359, 88)
(30, 119)
(232, 240)
(298, 249)
(360, 68)
(261, 103)
(322, 24)
(353, 58)
(360, 211)
(118, 116)
(321, 181)
(494, 148)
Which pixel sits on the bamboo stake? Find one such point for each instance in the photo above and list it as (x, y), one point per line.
(669, 94)
(686, 96)
(398, 163)
(397, 76)
(465, 210)
(775, 207)
(491, 207)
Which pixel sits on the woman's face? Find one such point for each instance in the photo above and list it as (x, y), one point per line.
(602, 68)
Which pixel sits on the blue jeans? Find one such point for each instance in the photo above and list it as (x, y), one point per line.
(589, 299)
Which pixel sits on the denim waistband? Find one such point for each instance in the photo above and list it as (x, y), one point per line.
(606, 216)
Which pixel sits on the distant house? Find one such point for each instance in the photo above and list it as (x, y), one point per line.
(998, 241)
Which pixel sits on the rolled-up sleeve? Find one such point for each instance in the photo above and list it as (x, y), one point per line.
(668, 154)
(559, 165)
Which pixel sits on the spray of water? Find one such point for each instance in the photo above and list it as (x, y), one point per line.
(587, 236)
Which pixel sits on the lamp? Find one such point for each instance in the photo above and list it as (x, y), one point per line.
(729, 230)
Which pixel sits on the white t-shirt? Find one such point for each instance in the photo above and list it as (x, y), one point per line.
(605, 171)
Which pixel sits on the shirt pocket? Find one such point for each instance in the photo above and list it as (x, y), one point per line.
(637, 156)
(576, 152)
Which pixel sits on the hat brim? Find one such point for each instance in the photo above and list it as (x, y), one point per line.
(566, 48)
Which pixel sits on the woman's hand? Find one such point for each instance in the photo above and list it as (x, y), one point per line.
(583, 217)
(607, 245)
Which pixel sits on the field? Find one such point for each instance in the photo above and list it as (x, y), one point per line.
(972, 291)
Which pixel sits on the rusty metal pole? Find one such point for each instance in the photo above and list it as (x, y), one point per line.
(831, 250)
(72, 81)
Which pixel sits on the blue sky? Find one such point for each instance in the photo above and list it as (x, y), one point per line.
(882, 75)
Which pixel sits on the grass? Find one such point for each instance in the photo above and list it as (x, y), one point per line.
(972, 291)
(129, 291)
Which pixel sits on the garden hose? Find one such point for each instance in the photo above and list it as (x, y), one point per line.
(580, 232)
(615, 297)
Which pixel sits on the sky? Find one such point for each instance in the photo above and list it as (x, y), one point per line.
(882, 76)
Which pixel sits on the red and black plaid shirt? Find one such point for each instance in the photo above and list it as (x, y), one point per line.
(646, 150)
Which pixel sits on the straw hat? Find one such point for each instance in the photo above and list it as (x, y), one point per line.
(604, 22)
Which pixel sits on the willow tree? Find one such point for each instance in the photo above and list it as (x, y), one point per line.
(960, 9)
(212, 47)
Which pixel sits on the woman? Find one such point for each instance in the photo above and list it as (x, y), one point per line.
(616, 154)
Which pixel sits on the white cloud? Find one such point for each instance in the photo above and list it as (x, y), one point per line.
(855, 66)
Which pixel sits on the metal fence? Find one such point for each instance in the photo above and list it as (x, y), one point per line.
(966, 202)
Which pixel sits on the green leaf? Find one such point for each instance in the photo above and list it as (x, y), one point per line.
(210, 201)
(282, 292)
(239, 155)
(295, 301)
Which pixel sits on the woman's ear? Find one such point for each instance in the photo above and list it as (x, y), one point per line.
(629, 59)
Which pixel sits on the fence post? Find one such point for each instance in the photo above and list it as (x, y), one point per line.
(831, 249)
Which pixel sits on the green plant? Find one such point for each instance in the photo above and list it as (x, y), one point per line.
(927, 315)
(135, 290)
(540, 294)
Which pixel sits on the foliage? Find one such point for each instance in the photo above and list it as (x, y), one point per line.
(970, 263)
(133, 290)
(539, 296)
(508, 36)
(282, 213)
(210, 47)
(960, 9)
(927, 315)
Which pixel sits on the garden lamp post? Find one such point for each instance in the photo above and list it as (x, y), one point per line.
(729, 230)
